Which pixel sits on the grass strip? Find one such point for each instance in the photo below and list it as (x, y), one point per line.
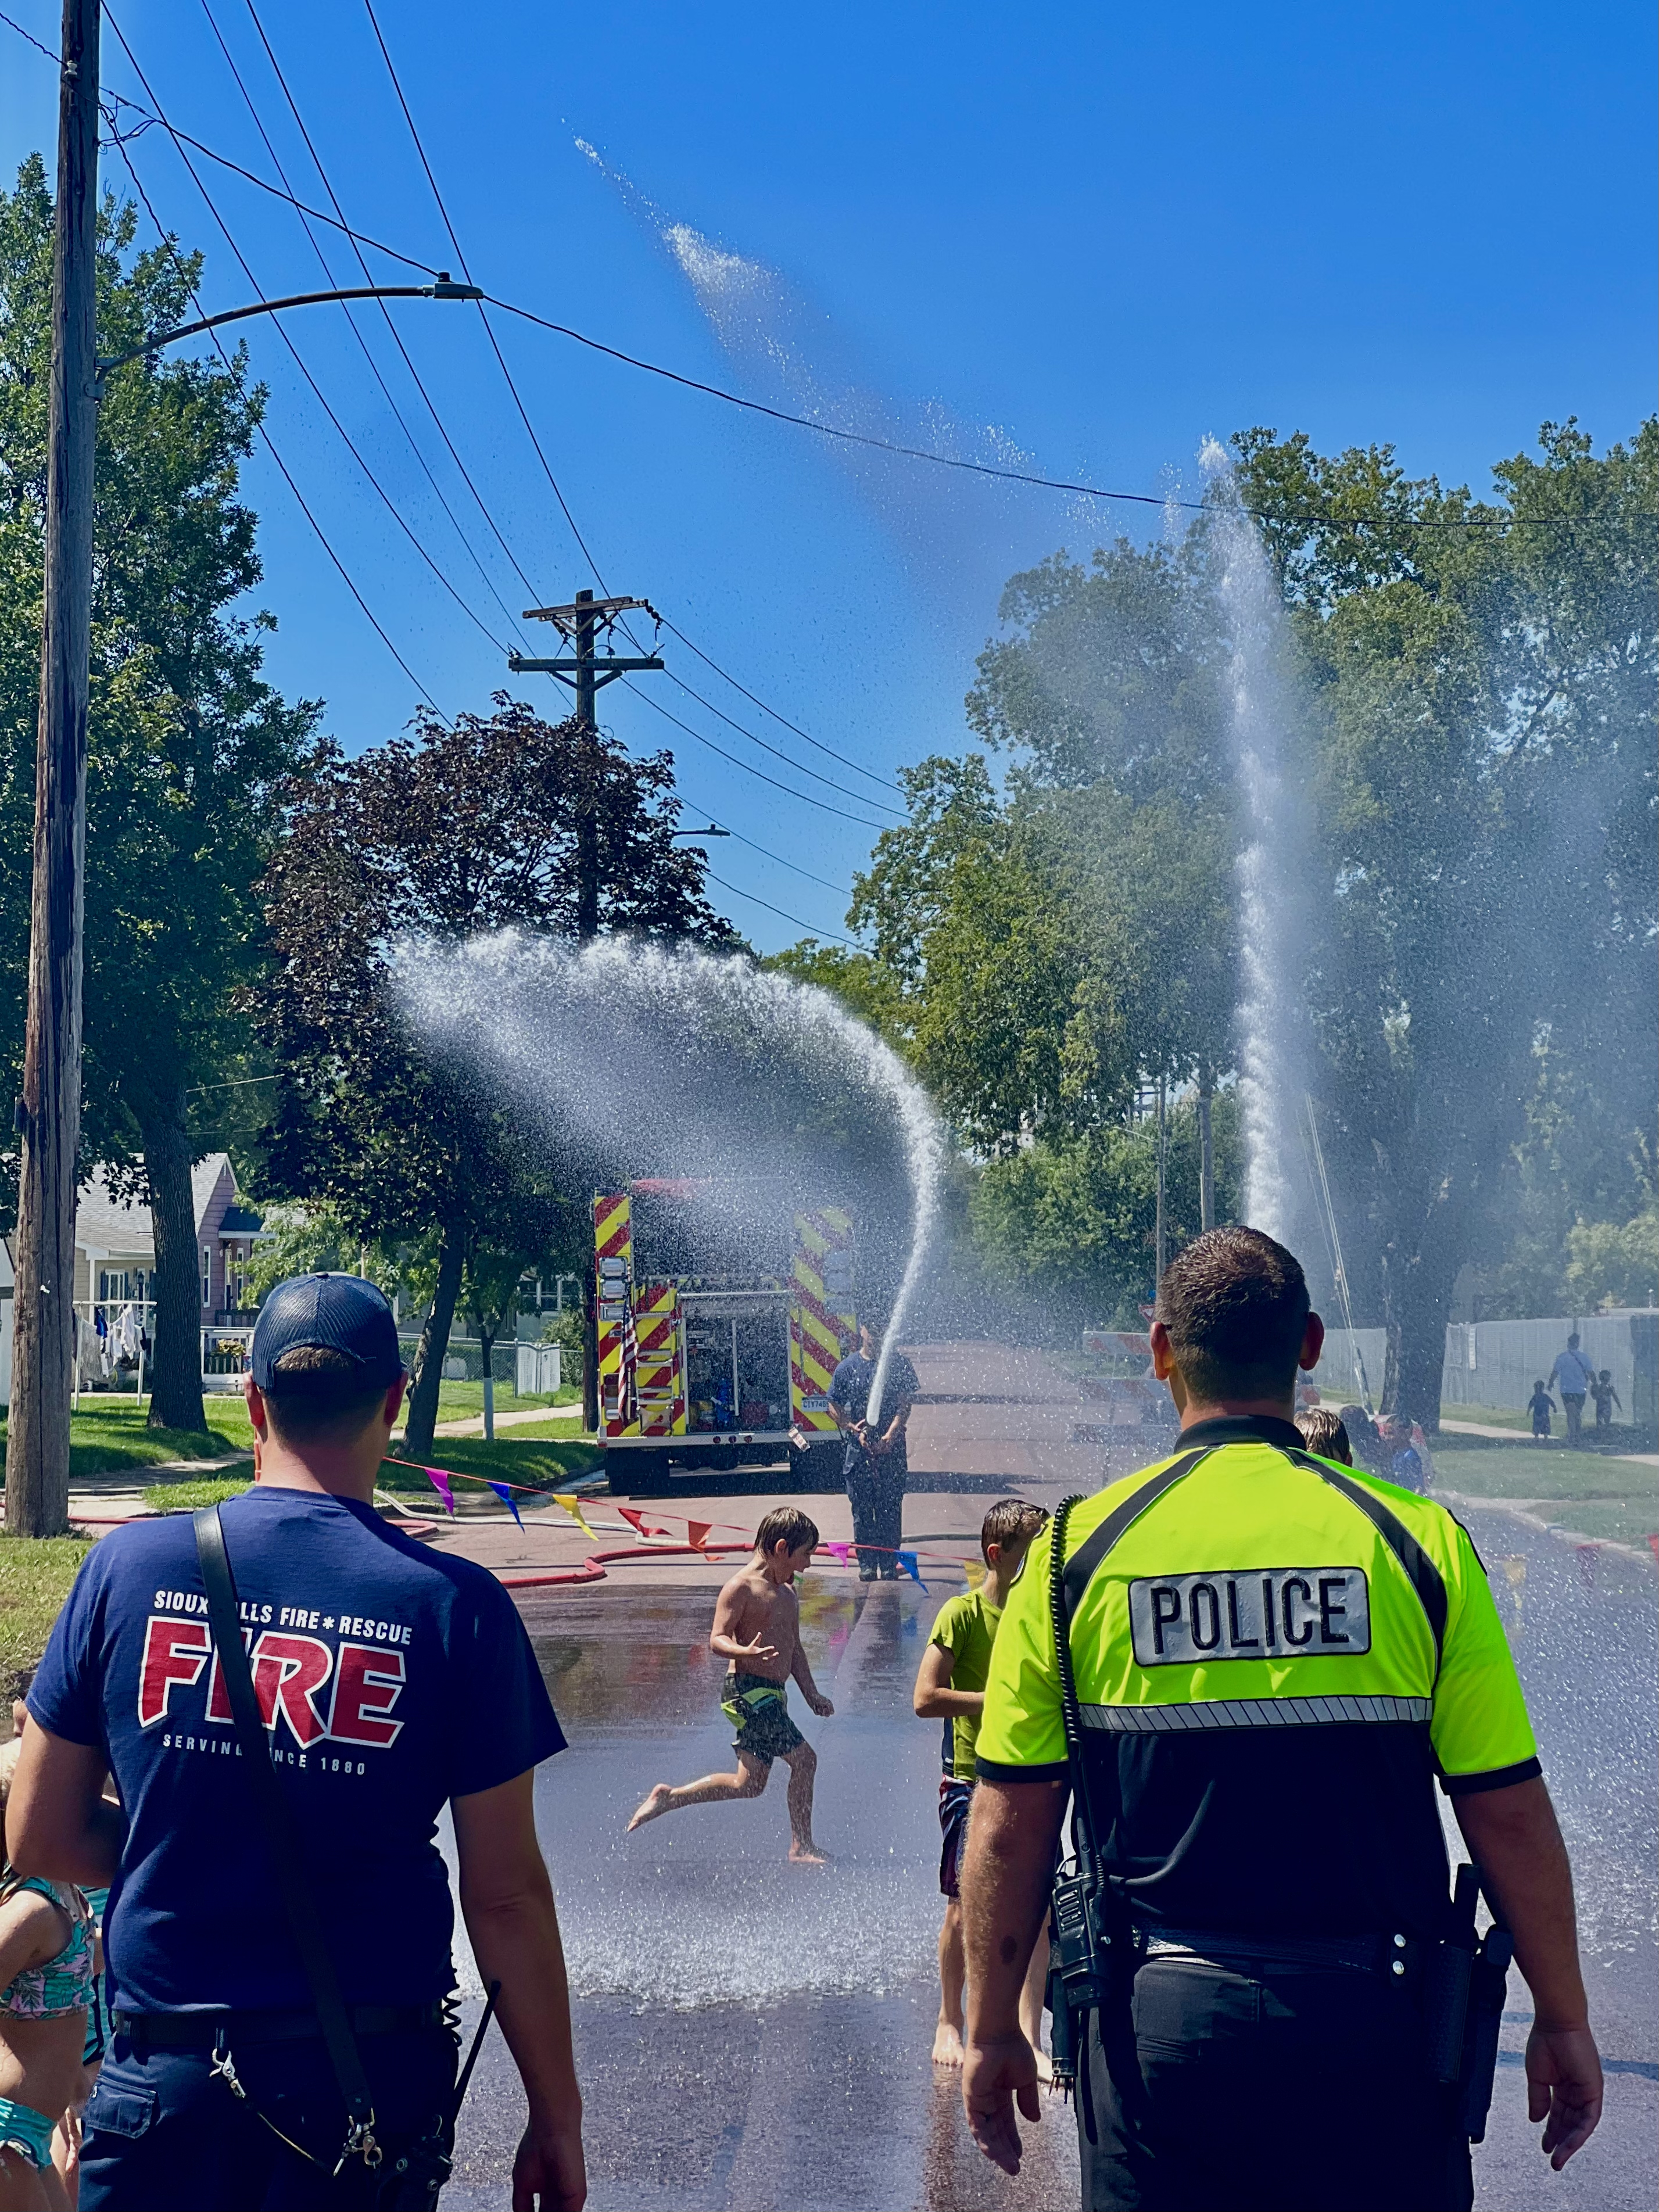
(35, 1574)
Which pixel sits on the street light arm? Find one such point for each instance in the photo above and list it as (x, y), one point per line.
(443, 289)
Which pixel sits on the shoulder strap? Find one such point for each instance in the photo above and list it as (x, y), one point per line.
(282, 1834)
(1081, 1566)
(1421, 1572)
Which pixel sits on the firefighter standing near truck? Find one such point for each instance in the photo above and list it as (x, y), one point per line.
(875, 1464)
(1273, 1658)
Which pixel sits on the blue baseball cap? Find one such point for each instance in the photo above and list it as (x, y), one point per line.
(341, 1313)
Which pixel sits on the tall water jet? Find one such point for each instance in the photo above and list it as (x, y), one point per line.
(642, 1060)
(1272, 860)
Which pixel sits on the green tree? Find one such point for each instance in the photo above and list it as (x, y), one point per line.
(1486, 800)
(187, 743)
(440, 833)
(1074, 1220)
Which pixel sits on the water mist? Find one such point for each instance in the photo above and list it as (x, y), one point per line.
(678, 1060)
(1273, 859)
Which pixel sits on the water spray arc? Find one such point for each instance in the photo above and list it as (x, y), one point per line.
(671, 1057)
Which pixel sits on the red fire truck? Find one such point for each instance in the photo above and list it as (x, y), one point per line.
(718, 1331)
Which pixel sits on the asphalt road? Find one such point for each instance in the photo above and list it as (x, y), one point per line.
(754, 2037)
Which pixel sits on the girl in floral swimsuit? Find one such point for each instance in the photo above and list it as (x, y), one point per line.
(45, 1973)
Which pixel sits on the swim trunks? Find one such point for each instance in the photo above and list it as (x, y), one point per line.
(955, 1800)
(759, 1710)
(26, 2131)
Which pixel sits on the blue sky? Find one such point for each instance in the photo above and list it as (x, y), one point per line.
(1081, 237)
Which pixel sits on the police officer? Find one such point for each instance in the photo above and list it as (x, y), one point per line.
(1276, 1658)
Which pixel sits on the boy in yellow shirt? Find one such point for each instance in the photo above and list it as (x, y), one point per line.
(951, 1688)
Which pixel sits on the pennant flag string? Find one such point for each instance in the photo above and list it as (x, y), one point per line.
(440, 1481)
(504, 1492)
(907, 1561)
(573, 1506)
(637, 1520)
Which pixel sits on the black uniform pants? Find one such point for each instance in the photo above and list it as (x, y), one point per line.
(1297, 2093)
(875, 1491)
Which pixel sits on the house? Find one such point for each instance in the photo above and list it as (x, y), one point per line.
(115, 1244)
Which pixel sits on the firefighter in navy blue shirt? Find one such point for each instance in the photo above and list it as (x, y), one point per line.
(875, 1464)
(394, 1680)
(1276, 1659)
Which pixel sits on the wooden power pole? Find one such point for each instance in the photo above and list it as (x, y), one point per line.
(585, 672)
(48, 1114)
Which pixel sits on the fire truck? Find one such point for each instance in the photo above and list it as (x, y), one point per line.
(718, 1330)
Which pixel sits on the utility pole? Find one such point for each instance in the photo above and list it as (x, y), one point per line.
(586, 674)
(1206, 1155)
(1158, 1239)
(48, 1114)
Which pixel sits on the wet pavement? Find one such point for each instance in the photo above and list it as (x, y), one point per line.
(749, 2034)
(753, 2037)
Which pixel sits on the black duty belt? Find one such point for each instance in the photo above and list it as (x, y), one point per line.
(1268, 1954)
(200, 2030)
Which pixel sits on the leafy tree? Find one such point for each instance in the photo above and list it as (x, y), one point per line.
(186, 741)
(298, 1239)
(1075, 1219)
(1614, 1263)
(438, 834)
(865, 986)
(1486, 798)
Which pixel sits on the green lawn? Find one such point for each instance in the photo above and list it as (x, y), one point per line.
(1601, 1494)
(34, 1580)
(109, 1434)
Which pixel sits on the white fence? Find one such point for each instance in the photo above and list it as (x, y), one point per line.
(1350, 1370)
(1496, 1363)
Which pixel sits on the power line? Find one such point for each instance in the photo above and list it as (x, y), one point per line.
(1019, 476)
(1307, 516)
(839, 890)
(270, 443)
(345, 438)
(455, 242)
(811, 928)
(708, 660)
(120, 100)
(374, 369)
(460, 258)
(787, 759)
(524, 416)
(807, 799)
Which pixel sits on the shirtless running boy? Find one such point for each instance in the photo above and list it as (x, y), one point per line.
(757, 1631)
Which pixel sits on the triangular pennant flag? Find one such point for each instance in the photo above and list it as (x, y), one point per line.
(975, 1571)
(507, 1499)
(907, 1561)
(697, 1533)
(440, 1482)
(646, 1529)
(572, 1506)
(839, 1552)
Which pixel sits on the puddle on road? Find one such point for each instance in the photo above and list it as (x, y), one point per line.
(700, 1908)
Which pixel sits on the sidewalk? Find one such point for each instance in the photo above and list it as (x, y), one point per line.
(1520, 1436)
(473, 1425)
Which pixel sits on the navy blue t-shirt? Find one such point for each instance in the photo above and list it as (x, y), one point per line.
(392, 1678)
(850, 1388)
